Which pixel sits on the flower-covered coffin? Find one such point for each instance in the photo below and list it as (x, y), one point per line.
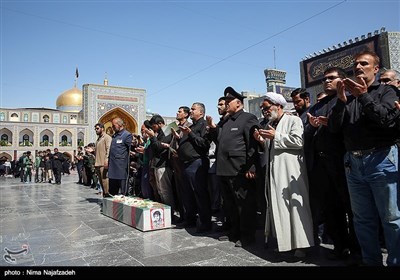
(137, 212)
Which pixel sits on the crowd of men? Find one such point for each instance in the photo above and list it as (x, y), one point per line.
(46, 167)
(331, 168)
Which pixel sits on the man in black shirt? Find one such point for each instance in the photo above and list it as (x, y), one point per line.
(329, 197)
(301, 101)
(193, 152)
(367, 119)
(159, 145)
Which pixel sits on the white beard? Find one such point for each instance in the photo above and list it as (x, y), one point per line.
(273, 116)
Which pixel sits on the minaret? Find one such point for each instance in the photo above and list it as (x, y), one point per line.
(274, 77)
(105, 79)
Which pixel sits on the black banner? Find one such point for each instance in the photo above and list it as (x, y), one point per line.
(343, 58)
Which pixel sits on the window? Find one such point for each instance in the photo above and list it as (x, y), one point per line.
(73, 119)
(14, 117)
(4, 140)
(65, 119)
(25, 117)
(45, 141)
(46, 118)
(35, 117)
(64, 140)
(2, 116)
(25, 140)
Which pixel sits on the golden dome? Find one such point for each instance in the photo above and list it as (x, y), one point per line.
(70, 100)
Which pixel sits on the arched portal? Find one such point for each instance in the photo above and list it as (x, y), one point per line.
(130, 123)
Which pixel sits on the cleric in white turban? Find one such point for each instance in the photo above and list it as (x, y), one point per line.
(275, 98)
(288, 216)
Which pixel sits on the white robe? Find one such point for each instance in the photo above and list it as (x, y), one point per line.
(288, 209)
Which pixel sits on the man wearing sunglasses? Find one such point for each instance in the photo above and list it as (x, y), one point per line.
(103, 144)
(329, 197)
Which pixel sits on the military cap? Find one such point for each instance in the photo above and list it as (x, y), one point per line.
(230, 93)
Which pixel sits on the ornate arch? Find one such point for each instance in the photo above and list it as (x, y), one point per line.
(6, 137)
(65, 138)
(46, 138)
(130, 122)
(26, 137)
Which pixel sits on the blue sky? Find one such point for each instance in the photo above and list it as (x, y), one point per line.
(179, 51)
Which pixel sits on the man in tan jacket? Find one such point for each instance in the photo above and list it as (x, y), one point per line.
(103, 144)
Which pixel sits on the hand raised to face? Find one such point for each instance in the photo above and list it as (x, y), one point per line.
(356, 88)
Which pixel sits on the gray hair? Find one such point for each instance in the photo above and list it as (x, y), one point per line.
(119, 121)
(202, 107)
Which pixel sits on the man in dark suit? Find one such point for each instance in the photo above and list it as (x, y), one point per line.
(159, 162)
(237, 158)
(57, 161)
(119, 158)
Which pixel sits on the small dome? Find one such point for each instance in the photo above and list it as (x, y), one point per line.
(70, 101)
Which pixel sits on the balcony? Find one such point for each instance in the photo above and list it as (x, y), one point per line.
(5, 143)
(25, 143)
(65, 144)
(46, 143)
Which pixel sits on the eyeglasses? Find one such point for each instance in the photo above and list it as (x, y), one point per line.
(330, 78)
(96, 128)
(264, 109)
(386, 80)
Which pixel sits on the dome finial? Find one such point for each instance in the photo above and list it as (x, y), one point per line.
(105, 79)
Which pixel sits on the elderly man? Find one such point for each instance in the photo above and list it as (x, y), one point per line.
(390, 77)
(237, 158)
(288, 211)
(118, 162)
